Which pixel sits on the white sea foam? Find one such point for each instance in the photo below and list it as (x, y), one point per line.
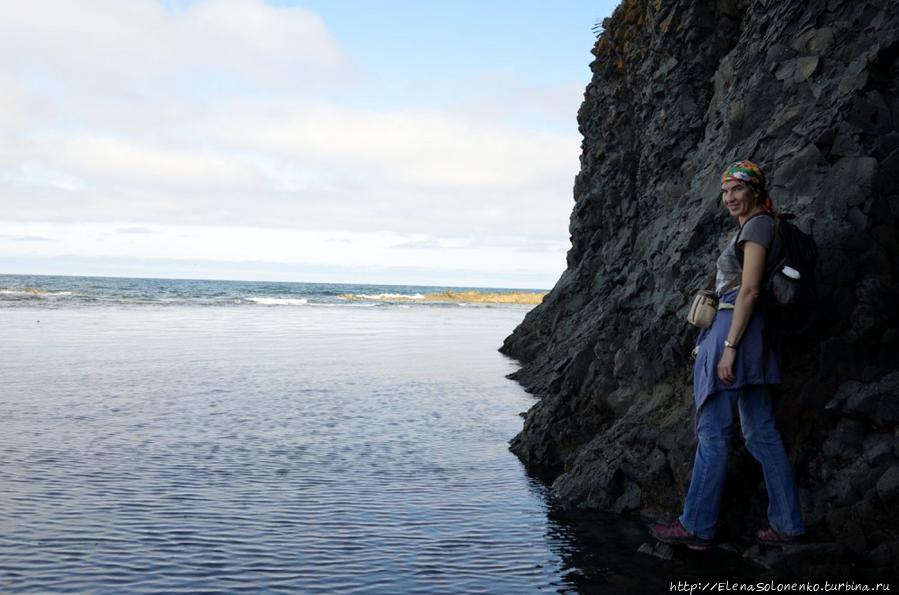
(344, 305)
(389, 296)
(29, 291)
(269, 301)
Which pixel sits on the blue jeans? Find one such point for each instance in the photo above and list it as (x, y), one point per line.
(710, 466)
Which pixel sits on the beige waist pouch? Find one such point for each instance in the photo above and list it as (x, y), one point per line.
(703, 309)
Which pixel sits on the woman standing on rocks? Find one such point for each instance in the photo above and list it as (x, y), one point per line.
(734, 368)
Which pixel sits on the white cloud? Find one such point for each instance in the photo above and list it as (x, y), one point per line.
(21, 238)
(139, 40)
(318, 167)
(227, 114)
(523, 103)
(241, 244)
(421, 148)
(38, 176)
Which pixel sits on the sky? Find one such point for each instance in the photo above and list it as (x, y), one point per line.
(390, 142)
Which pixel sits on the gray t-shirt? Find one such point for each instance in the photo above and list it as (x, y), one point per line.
(759, 229)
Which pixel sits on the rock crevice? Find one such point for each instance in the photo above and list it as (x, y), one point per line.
(810, 90)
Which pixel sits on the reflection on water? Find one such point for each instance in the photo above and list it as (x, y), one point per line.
(305, 450)
(598, 554)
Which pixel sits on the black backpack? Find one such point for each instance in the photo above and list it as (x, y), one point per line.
(788, 289)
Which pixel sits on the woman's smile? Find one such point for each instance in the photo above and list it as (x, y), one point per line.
(738, 198)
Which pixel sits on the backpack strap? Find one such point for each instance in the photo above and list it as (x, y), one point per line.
(739, 251)
(775, 242)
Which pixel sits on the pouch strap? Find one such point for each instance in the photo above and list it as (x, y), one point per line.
(732, 283)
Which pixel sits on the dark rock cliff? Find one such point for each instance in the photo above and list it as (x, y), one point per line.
(810, 91)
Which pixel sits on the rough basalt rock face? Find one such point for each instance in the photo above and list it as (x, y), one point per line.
(809, 90)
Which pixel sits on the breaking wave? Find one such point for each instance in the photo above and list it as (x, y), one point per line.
(383, 296)
(270, 301)
(31, 292)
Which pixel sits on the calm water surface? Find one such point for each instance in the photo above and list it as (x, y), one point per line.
(286, 448)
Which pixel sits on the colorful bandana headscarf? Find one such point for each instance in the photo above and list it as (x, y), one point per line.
(749, 173)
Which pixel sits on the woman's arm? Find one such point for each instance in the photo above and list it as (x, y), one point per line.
(750, 288)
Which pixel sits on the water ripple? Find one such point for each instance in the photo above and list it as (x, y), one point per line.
(274, 450)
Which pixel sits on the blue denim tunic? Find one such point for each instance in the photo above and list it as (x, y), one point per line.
(755, 362)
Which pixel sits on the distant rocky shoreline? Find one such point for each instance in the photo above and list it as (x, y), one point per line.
(810, 90)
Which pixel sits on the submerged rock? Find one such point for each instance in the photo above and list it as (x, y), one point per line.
(659, 550)
(810, 90)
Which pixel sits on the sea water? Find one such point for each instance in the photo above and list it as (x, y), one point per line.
(205, 436)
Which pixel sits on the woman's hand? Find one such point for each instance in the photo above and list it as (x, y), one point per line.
(726, 365)
(750, 288)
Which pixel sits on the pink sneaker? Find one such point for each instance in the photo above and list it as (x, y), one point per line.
(675, 534)
(770, 536)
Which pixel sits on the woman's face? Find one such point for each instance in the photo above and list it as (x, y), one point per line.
(739, 198)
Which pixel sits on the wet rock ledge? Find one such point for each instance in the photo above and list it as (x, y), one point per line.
(810, 90)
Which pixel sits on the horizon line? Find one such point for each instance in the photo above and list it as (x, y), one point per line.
(281, 282)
